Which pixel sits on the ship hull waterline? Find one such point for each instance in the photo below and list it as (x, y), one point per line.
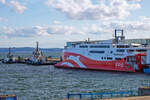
(77, 61)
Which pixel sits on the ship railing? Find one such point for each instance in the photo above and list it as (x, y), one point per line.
(101, 95)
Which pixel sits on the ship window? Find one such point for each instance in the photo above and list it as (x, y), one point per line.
(131, 59)
(141, 50)
(100, 46)
(83, 46)
(118, 58)
(111, 51)
(97, 51)
(73, 45)
(109, 58)
(120, 50)
(65, 47)
(130, 50)
(122, 46)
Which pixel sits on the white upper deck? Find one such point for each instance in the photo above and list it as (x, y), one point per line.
(113, 49)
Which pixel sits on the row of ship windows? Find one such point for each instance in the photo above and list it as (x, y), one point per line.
(118, 50)
(103, 46)
(110, 58)
(101, 51)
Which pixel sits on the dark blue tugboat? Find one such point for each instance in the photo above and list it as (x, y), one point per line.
(8, 97)
(9, 59)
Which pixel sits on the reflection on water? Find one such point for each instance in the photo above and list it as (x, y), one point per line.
(48, 83)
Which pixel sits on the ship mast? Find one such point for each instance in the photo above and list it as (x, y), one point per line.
(37, 52)
(9, 52)
(117, 37)
(37, 46)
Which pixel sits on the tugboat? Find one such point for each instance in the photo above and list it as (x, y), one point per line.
(37, 57)
(8, 97)
(9, 59)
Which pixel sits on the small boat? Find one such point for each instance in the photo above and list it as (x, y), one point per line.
(37, 57)
(9, 59)
(8, 97)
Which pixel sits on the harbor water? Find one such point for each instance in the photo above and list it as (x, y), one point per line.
(49, 83)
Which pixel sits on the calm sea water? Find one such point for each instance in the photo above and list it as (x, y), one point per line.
(48, 83)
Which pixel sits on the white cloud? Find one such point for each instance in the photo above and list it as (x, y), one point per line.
(56, 22)
(17, 7)
(142, 25)
(135, 0)
(63, 29)
(39, 31)
(23, 32)
(2, 1)
(3, 19)
(86, 9)
(139, 29)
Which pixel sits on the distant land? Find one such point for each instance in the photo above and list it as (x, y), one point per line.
(30, 49)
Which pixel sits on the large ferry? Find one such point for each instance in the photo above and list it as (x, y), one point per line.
(114, 54)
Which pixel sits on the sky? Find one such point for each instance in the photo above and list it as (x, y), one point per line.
(55, 22)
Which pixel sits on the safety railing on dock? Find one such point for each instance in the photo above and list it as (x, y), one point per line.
(100, 95)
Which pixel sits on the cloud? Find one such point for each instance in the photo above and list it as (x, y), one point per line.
(139, 28)
(23, 32)
(86, 9)
(3, 19)
(2, 1)
(142, 25)
(63, 29)
(39, 31)
(17, 7)
(56, 22)
(135, 0)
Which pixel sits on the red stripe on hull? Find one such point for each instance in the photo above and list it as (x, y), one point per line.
(115, 65)
(66, 67)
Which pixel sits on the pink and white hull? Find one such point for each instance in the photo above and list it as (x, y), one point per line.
(111, 55)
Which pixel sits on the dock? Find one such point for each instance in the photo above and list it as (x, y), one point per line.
(123, 98)
(8, 97)
(36, 58)
(143, 94)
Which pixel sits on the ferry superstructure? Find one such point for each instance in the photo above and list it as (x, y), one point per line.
(112, 54)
